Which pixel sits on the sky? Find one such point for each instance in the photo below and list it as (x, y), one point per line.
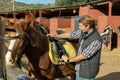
(36, 1)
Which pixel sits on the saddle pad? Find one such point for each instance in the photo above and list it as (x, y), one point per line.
(69, 50)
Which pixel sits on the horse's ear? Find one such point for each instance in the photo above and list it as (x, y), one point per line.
(34, 12)
(26, 12)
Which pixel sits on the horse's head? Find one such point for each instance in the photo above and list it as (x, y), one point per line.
(32, 30)
(31, 20)
(14, 46)
(32, 34)
(29, 28)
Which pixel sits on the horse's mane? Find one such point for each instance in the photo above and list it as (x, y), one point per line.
(39, 40)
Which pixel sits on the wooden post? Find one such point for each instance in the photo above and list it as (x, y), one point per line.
(40, 14)
(2, 51)
(14, 15)
(110, 8)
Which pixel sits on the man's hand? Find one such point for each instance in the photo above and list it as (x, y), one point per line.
(64, 58)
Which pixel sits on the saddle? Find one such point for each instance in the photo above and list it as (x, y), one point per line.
(59, 47)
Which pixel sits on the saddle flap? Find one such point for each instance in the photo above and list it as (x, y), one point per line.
(54, 47)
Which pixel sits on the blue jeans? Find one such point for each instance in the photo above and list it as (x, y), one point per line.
(78, 77)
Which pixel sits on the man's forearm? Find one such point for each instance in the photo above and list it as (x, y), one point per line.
(77, 58)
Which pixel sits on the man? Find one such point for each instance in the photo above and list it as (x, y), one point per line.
(88, 55)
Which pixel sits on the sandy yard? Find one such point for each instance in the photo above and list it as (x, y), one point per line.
(110, 65)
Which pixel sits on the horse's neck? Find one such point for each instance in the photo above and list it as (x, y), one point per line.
(40, 40)
(44, 41)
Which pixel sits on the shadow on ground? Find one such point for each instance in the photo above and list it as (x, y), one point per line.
(111, 76)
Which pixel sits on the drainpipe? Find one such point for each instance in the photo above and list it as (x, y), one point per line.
(14, 14)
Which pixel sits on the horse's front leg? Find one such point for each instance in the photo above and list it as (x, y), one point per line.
(73, 77)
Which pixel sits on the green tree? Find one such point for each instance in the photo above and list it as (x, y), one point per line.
(59, 2)
(63, 2)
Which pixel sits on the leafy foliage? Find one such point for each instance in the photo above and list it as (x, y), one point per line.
(7, 6)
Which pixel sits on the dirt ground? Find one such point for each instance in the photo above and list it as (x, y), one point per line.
(110, 65)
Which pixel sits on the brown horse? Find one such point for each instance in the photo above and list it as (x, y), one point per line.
(35, 44)
(20, 26)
